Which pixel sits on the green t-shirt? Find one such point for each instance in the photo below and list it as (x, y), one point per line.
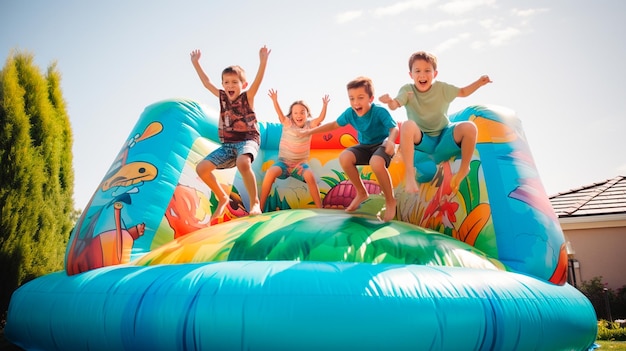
(429, 110)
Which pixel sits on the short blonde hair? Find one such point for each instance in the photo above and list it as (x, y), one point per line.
(235, 70)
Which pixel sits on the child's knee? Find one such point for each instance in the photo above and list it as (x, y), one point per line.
(204, 166)
(308, 176)
(378, 163)
(467, 128)
(347, 158)
(244, 162)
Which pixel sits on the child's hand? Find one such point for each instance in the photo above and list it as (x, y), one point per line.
(264, 53)
(273, 94)
(385, 99)
(325, 99)
(390, 148)
(484, 80)
(195, 55)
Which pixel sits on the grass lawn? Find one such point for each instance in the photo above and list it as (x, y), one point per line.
(612, 345)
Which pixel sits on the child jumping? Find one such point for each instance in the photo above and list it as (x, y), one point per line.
(376, 133)
(294, 148)
(428, 131)
(238, 130)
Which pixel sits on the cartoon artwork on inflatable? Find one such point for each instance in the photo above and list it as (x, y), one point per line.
(481, 269)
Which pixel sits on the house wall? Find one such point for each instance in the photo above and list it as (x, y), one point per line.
(599, 248)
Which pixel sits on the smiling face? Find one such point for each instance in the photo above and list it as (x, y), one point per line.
(233, 85)
(299, 114)
(423, 74)
(360, 100)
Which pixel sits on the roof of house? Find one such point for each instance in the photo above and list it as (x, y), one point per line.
(602, 198)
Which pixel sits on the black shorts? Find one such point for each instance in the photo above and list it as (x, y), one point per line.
(364, 152)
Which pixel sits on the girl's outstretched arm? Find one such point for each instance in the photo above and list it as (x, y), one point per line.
(316, 122)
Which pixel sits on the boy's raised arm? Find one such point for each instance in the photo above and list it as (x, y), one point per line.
(316, 122)
(195, 60)
(256, 83)
(470, 89)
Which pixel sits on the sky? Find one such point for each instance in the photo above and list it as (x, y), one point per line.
(560, 65)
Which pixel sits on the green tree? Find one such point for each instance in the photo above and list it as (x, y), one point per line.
(36, 174)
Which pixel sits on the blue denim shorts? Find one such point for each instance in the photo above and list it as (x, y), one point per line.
(292, 169)
(226, 155)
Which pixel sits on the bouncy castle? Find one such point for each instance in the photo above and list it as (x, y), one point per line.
(483, 268)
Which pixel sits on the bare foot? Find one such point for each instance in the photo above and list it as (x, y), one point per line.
(456, 180)
(219, 210)
(358, 199)
(390, 210)
(256, 209)
(411, 186)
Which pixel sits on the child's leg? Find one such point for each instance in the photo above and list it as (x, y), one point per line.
(465, 134)
(347, 159)
(311, 182)
(410, 135)
(379, 167)
(205, 170)
(270, 176)
(244, 165)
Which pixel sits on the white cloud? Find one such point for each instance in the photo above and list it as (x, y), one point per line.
(477, 45)
(425, 28)
(462, 6)
(448, 44)
(348, 16)
(403, 6)
(500, 37)
(528, 12)
(525, 15)
(489, 23)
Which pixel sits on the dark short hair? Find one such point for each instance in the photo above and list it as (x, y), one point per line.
(425, 56)
(364, 82)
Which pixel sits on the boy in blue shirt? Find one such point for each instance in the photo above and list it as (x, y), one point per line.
(376, 132)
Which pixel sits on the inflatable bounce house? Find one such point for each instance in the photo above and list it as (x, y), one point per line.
(483, 268)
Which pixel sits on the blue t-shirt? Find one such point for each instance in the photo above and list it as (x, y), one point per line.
(373, 127)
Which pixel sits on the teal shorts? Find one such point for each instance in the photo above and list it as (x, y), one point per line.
(292, 169)
(434, 149)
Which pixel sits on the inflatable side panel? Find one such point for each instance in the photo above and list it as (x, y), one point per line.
(501, 207)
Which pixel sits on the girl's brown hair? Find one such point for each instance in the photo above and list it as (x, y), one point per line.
(299, 102)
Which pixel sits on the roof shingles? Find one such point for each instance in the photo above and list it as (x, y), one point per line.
(602, 198)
